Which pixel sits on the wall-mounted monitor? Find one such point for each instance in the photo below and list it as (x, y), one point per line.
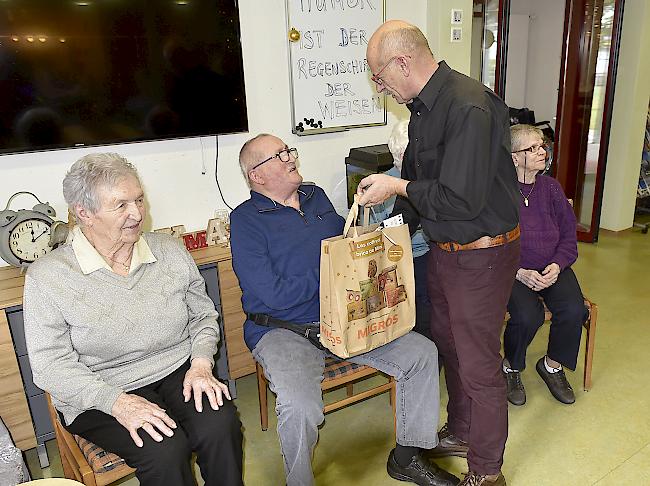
(94, 72)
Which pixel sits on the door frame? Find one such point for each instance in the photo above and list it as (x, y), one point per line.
(571, 130)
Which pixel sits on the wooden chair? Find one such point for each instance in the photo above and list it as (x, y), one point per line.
(84, 461)
(337, 373)
(590, 327)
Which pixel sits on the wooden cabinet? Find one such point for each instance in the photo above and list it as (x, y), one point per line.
(240, 360)
(13, 401)
(15, 389)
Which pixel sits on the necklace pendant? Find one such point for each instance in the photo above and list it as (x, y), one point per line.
(526, 201)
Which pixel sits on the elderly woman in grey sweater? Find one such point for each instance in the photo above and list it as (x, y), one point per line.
(122, 334)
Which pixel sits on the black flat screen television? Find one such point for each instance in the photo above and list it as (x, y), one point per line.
(97, 72)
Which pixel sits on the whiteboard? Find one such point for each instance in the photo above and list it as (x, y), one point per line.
(331, 89)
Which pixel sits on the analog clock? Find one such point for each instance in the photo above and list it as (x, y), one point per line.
(29, 239)
(25, 233)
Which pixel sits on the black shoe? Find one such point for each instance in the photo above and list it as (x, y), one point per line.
(557, 383)
(516, 390)
(420, 471)
(448, 445)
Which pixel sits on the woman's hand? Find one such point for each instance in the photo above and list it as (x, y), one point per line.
(198, 380)
(134, 412)
(550, 274)
(531, 279)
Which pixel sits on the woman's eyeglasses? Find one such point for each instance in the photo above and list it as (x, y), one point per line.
(284, 155)
(532, 149)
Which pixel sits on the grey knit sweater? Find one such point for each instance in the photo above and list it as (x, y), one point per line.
(91, 337)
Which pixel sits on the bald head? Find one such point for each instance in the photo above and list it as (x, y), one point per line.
(400, 60)
(397, 38)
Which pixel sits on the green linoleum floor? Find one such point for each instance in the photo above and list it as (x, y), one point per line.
(603, 439)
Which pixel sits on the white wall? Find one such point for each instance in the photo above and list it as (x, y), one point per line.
(517, 60)
(544, 57)
(178, 192)
(438, 24)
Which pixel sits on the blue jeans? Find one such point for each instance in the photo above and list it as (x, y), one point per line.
(294, 369)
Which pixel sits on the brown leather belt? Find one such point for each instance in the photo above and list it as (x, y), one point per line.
(483, 242)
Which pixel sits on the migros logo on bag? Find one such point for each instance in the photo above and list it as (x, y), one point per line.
(378, 326)
(364, 248)
(329, 336)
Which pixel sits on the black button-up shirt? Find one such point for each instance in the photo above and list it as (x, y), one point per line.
(463, 180)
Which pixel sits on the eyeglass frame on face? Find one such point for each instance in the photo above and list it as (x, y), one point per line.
(532, 149)
(376, 78)
(288, 151)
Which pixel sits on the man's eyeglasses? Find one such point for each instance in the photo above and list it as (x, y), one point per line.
(283, 155)
(376, 77)
(532, 149)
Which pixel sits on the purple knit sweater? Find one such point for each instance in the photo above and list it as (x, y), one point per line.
(548, 226)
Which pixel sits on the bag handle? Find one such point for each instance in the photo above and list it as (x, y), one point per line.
(353, 215)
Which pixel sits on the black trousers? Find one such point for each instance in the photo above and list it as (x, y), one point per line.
(565, 301)
(215, 436)
(422, 302)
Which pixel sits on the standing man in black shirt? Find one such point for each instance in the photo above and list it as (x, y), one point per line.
(459, 183)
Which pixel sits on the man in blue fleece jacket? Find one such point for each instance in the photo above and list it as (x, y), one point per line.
(275, 238)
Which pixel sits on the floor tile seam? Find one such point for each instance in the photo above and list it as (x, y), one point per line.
(622, 463)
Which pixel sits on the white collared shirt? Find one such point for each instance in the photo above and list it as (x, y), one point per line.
(90, 260)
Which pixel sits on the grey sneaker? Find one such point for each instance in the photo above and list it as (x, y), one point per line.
(516, 390)
(557, 383)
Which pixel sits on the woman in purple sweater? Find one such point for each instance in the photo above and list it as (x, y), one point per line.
(548, 249)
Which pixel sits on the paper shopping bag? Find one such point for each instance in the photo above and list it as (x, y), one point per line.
(367, 288)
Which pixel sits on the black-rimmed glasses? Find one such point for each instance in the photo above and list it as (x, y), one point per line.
(532, 149)
(283, 155)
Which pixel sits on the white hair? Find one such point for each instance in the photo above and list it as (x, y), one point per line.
(519, 135)
(397, 142)
(249, 155)
(92, 172)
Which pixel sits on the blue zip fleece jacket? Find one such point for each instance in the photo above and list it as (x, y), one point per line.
(276, 256)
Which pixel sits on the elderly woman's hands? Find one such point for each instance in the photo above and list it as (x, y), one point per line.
(531, 279)
(198, 380)
(134, 412)
(550, 273)
(539, 281)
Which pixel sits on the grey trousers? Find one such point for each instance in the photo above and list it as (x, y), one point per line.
(294, 369)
